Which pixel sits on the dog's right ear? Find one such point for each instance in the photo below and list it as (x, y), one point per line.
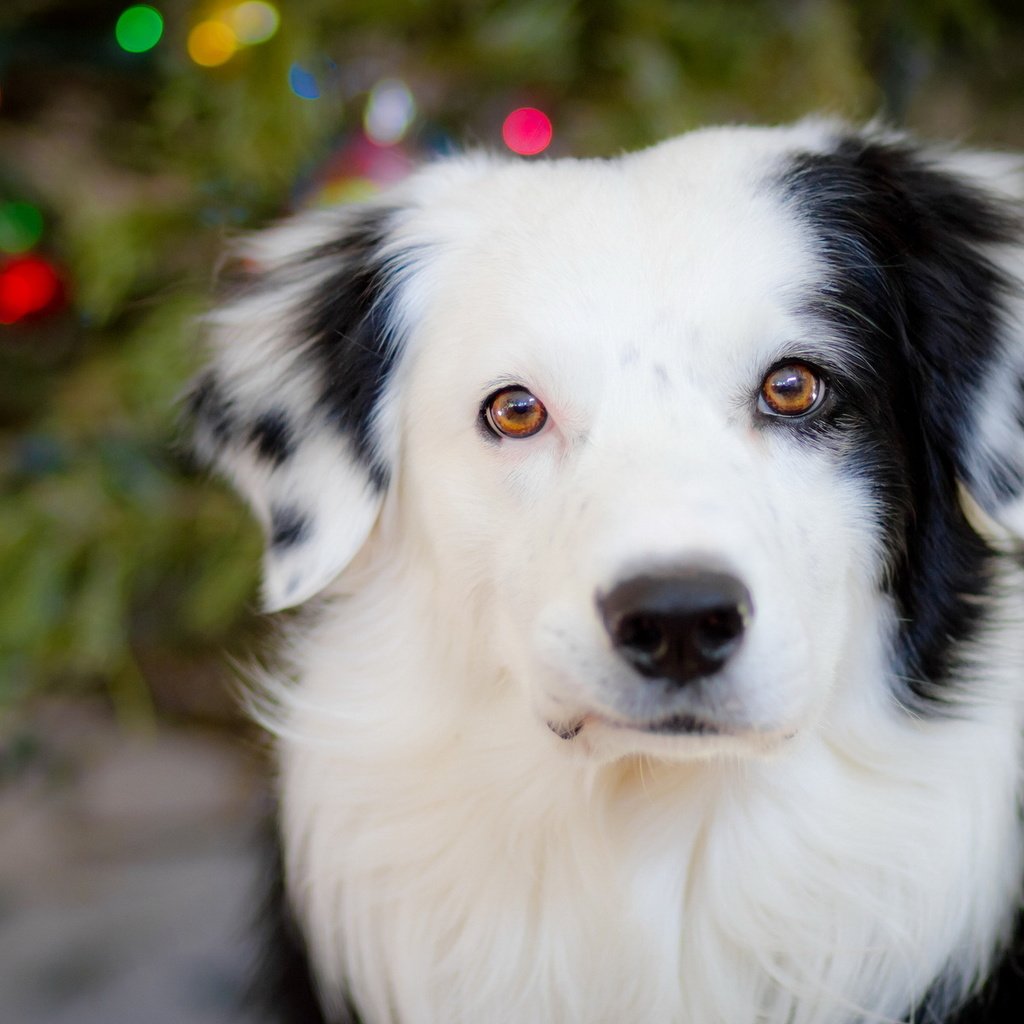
(288, 410)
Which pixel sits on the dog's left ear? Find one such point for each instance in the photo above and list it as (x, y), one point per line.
(928, 249)
(983, 320)
(289, 410)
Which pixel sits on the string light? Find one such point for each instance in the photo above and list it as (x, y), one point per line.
(355, 170)
(253, 22)
(303, 83)
(390, 110)
(139, 28)
(218, 38)
(211, 43)
(21, 226)
(527, 131)
(28, 285)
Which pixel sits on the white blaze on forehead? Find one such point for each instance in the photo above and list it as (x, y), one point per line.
(683, 254)
(642, 300)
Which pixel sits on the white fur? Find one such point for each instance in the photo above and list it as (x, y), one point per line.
(451, 859)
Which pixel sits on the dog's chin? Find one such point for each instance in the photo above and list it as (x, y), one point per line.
(677, 737)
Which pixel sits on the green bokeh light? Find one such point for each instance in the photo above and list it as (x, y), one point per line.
(139, 28)
(21, 226)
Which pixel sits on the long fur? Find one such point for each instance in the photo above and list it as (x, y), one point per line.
(486, 814)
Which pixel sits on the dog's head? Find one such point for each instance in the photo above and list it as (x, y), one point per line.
(688, 430)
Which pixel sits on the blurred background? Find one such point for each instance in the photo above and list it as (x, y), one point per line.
(134, 141)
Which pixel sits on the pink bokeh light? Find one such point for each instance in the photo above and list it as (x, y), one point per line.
(527, 131)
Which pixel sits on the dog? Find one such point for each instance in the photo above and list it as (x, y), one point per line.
(658, 524)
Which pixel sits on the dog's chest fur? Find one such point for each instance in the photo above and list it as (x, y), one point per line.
(441, 876)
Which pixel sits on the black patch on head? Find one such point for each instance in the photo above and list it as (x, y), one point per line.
(909, 287)
(211, 410)
(349, 325)
(272, 436)
(288, 526)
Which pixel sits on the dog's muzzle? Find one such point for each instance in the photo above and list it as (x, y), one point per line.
(677, 628)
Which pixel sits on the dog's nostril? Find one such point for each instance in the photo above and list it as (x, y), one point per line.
(643, 634)
(680, 627)
(718, 632)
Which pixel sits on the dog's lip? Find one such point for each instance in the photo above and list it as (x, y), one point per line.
(684, 723)
(678, 724)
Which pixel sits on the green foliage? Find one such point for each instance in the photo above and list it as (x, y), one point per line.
(112, 546)
(107, 541)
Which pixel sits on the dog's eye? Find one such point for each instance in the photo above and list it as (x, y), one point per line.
(791, 389)
(514, 412)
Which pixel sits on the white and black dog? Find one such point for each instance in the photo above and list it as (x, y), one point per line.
(667, 511)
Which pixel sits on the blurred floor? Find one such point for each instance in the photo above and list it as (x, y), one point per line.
(127, 873)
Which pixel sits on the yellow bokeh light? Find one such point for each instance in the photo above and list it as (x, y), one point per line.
(211, 43)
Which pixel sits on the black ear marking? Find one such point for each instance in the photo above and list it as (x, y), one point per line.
(908, 280)
(211, 410)
(273, 437)
(288, 526)
(351, 327)
(304, 347)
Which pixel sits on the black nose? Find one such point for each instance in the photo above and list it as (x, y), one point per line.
(679, 627)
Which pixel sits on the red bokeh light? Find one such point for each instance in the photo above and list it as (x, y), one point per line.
(527, 131)
(28, 285)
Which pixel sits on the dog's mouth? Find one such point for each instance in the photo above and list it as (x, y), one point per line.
(674, 725)
(689, 725)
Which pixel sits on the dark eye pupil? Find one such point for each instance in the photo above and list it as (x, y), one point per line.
(518, 405)
(791, 384)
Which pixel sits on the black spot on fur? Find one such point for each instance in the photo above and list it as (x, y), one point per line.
(288, 526)
(282, 988)
(272, 436)
(909, 286)
(211, 410)
(344, 329)
(350, 324)
(1001, 999)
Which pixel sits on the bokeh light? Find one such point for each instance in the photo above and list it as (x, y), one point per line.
(357, 169)
(527, 131)
(212, 43)
(28, 285)
(21, 226)
(139, 28)
(253, 22)
(303, 82)
(390, 110)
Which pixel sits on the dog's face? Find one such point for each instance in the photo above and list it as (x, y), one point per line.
(678, 430)
(587, 433)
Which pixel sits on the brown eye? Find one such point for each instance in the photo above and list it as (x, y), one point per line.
(515, 412)
(791, 389)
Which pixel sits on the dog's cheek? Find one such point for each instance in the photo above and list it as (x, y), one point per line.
(817, 578)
